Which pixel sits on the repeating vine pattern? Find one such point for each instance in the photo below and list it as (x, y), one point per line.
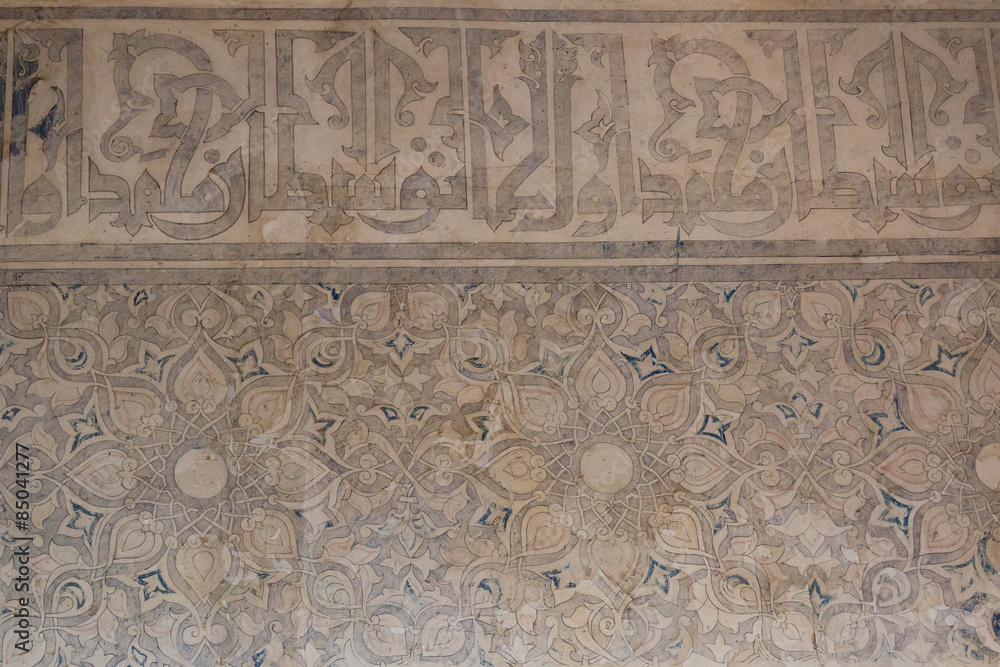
(506, 474)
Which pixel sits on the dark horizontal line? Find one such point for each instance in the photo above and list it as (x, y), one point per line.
(513, 274)
(667, 250)
(503, 15)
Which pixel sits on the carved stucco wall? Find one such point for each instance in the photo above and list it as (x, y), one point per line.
(492, 336)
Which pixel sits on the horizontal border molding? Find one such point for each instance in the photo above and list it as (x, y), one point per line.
(504, 15)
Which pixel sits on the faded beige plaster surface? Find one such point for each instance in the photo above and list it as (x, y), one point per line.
(499, 335)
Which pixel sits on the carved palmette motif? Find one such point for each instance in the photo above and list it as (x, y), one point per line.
(526, 132)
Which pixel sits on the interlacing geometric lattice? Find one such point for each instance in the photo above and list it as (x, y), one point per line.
(506, 474)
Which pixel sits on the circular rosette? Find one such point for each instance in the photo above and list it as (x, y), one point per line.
(606, 468)
(201, 473)
(988, 466)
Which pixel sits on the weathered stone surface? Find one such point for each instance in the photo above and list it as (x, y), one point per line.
(499, 335)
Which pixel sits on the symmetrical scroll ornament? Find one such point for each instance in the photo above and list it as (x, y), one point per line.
(744, 473)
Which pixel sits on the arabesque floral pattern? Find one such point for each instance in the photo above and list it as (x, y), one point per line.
(507, 474)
